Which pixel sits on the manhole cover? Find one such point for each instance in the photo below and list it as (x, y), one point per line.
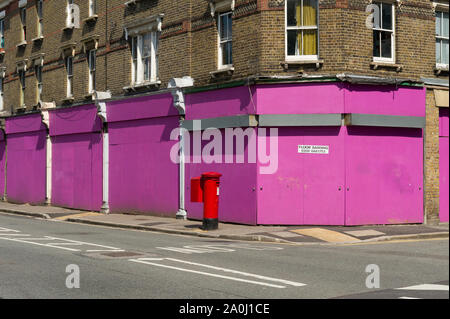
(121, 254)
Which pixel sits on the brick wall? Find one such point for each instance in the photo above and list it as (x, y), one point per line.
(188, 43)
(431, 160)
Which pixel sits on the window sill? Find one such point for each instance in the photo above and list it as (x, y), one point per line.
(21, 44)
(37, 39)
(294, 63)
(90, 96)
(376, 65)
(441, 69)
(68, 100)
(23, 107)
(131, 2)
(144, 85)
(226, 71)
(67, 28)
(91, 18)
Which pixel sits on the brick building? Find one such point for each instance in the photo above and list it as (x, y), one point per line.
(64, 59)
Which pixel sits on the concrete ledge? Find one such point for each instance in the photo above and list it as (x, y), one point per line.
(355, 119)
(274, 120)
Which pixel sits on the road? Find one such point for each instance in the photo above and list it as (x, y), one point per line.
(115, 263)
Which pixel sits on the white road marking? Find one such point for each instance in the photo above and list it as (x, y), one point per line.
(150, 261)
(426, 287)
(408, 298)
(53, 242)
(201, 249)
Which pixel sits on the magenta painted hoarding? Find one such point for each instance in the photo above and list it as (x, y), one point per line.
(26, 179)
(77, 171)
(295, 194)
(384, 179)
(76, 158)
(2, 163)
(142, 177)
(443, 164)
(237, 199)
(219, 103)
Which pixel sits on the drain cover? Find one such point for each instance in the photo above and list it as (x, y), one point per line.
(121, 254)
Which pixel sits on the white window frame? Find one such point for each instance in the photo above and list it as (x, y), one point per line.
(222, 41)
(91, 64)
(1, 93)
(92, 8)
(441, 38)
(23, 22)
(137, 58)
(38, 74)
(392, 58)
(69, 14)
(40, 17)
(294, 58)
(69, 76)
(2, 33)
(22, 83)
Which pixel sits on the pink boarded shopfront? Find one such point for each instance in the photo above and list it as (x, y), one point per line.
(26, 161)
(142, 177)
(2, 163)
(443, 164)
(76, 136)
(370, 170)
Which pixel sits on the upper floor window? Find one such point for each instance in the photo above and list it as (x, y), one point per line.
(92, 7)
(38, 74)
(91, 65)
(40, 20)
(23, 21)
(2, 34)
(69, 78)
(302, 30)
(442, 39)
(384, 34)
(1, 93)
(22, 86)
(144, 48)
(225, 40)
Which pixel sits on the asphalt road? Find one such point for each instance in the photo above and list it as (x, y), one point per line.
(115, 263)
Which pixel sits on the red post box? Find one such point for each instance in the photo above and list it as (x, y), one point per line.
(196, 190)
(210, 185)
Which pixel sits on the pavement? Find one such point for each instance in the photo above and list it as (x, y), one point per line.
(299, 235)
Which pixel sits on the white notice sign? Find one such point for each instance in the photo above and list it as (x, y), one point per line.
(314, 149)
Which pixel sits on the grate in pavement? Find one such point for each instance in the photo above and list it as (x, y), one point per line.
(122, 254)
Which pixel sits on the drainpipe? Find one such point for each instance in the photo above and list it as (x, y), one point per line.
(176, 86)
(45, 107)
(99, 98)
(48, 156)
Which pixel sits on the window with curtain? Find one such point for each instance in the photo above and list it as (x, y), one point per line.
(144, 49)
(383, 34)
(302, 29)
(442, 39)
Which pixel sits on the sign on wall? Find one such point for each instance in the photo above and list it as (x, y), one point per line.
(314, 149)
